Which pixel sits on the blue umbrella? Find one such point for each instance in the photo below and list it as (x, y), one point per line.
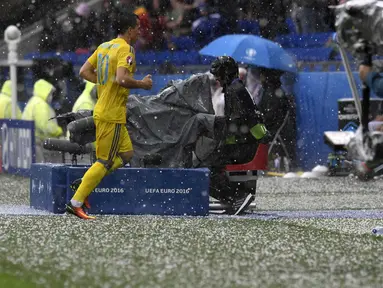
(252, 50)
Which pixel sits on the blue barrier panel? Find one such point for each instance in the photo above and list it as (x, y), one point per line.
(48, 187)
(149, 191)
(126, 191)
(17, 140)
(316, 95)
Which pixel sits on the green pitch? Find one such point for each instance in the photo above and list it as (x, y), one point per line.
(113, 251)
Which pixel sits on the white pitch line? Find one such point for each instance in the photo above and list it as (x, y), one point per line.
(260, 215)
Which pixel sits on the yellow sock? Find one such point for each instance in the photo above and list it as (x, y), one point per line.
(117, 163)
(90, 181)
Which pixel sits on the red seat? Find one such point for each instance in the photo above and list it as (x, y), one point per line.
(259, 161)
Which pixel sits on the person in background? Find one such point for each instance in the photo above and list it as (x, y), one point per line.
(376, 124)
(374, 80)
(79, 29)
(243, 133)
(145, 40)
(6, 102)
(278, 110)
(272, 102)
(51, 35)
(253, 84)
(87, 99)
(304, 16)
(217, 95)
(242, 73)
(229, 15)
(38, 109)
(205, 27)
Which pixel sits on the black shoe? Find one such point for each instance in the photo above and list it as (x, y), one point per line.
(240, 205)
(74, 186)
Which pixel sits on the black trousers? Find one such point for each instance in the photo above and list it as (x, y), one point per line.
(220, 186)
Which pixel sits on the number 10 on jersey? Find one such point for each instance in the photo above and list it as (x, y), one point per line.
(102, 68)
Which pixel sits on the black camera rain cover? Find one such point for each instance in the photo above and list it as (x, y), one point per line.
(359, 22)
(171, 122)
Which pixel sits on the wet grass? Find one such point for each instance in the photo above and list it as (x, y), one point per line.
(60, 251)
(113, 251)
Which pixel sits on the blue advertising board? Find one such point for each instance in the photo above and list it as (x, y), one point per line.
(17, 139)
(48, 187)
(127, 191)
(154, 191)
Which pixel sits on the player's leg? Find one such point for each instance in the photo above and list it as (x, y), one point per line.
(125, 152)
(74, 186)
(120, 160)
(107, 145)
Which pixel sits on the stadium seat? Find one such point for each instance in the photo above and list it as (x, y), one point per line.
(291, 26)
(332, 68)
(286, 41)
(70, 57)
(179, 58)
(312, 54)
(48, 55)
(339, 58)
(259, 161)
(183, 42)
(146, 58)
(140, 58)
(293, 40)
(206, 60)
(31, 56)
(81, 58)
(313, 40)
(248, 27)
(194, 57)
(318, 68)
(163, 56)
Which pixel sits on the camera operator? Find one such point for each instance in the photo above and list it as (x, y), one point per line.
(373, 80)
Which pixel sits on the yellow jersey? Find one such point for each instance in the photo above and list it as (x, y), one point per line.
(112, 98)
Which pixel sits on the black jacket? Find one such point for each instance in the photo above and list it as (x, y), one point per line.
(274, 107)
(241, 111)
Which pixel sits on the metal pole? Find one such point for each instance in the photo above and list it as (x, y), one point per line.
(12, 36)
(13, 72)
(366, 103)
(365, 107)
(351, 81)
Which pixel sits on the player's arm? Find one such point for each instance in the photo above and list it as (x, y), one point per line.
(124, 74)
(124, 79)
(88, 70)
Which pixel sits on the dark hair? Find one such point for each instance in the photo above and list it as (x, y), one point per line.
(123, 21)
(225, 68)
(272, 77)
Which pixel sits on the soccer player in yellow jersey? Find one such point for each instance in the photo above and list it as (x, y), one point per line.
(111, 67)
